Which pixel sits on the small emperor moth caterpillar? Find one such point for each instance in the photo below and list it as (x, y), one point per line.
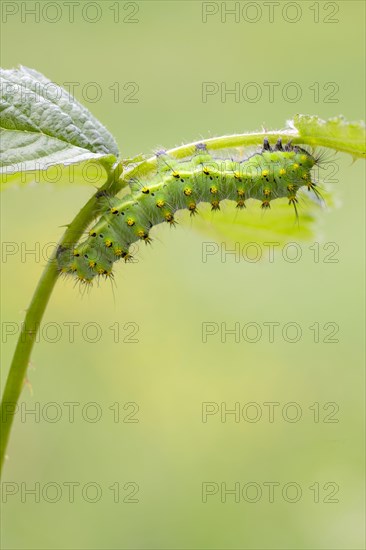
(273, 172)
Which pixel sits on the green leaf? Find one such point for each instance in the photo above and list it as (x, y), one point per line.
(90, 172)
(42, 125)
(252, 225)
(336, 133)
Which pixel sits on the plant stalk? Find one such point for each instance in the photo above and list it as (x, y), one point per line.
(34, 315)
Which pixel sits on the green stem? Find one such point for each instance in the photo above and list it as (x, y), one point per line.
(27, 337)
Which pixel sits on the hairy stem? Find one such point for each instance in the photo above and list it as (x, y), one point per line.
(33, 318)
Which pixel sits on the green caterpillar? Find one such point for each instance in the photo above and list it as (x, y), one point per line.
(182, 184)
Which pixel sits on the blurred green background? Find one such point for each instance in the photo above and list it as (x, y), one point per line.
(169, 52)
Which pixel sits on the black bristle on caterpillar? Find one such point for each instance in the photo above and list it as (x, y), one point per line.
(274, 172)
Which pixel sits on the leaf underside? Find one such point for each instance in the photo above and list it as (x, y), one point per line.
(278, 226)
(43, 125)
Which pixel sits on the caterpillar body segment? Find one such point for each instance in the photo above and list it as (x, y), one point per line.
(274, 172)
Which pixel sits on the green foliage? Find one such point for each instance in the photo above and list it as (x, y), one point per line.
(43, 125)
(335, 133)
